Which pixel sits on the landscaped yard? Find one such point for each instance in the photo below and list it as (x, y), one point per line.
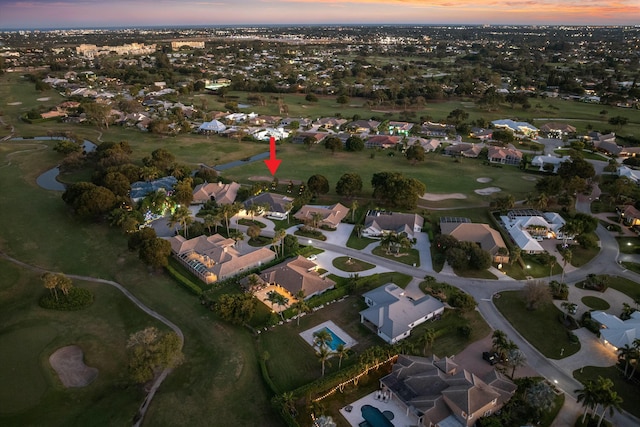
(540, 327)
(626, 390)
(359, 243)
(595, 303)
(351, 265)
(410, 257)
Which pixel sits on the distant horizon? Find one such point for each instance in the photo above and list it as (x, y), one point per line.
(100, 14)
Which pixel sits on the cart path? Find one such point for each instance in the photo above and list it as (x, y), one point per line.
(147, 400)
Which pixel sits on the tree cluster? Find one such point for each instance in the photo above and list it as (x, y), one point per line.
(395, 190)
(151, 352)
(462, 255)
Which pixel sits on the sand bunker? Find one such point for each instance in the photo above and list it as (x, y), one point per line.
(487, 191)
(432, 197)
(46, 98)
(14, 103)
(529, 178)
(68, 364)
(484, 180)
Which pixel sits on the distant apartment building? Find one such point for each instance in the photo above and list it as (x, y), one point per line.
(91, 50)
(176, 45)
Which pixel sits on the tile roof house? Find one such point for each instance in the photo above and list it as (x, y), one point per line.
(523, 128)
(463, 149)
(631, 174)
(557, 130)
(607, 144)
(378, 224)
(278, 204)
(504, 155)
(317, 136)
(363, 126)
(482, 134)
(439, 392)
(393, 315)
(382, 141)
(223, 194)
(296, 275)
(549, 159)
(486, 237)
(437, 129)
(630, 215)
(215, 257)
(331, 215)
(615, 332)
(330, 122)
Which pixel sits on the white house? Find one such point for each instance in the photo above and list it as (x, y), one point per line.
(266, 134)
(549, 159)
(615, 332)
(631, 174)
(393, 315)
(527, 226)
(378, 223)
(213, 126)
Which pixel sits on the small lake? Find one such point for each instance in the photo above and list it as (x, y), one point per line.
(257, 157)
(48, 180)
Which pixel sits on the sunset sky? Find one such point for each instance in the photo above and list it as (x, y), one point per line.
(102, 13)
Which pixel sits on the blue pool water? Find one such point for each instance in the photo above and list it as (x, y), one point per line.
(335, 340)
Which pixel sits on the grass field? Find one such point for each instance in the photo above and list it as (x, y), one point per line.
(540, 327)
(595, 303)
(351, 264)
(220, 368)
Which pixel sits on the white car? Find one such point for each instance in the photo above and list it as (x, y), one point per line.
(312, 257)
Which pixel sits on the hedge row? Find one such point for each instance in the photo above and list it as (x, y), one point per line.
(185, 282)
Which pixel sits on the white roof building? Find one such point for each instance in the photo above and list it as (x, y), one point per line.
(212, 126)
(616, 332)
(631, 174)
(549, 159)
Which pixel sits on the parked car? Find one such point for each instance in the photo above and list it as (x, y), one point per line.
(312, 257)
(490, 357)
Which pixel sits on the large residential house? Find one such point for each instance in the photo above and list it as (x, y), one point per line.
(605, 143)
(215, 258)
(331, 216)
(330, 122)
(392, 314)
(518, 128)
(363, 126)
(382, 141)
(214, 126)
(317, 137)
(631, 174)
(266, 134)
(529, 226)
(557, 130)
(504, 155)
(223, 194)
(442, 393)
(400, 128)
(616, 333)
(629, 215)
(486, 237)
(377, 224)
(438, 130)
(551, 160)
(278, 206)
(463, 149)
(140, 189)
(481, 133)
(298, 274)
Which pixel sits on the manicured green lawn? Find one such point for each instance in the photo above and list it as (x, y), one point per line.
(220, 368)
(633, 266)
(629, 245)
(351, 264)
(410, 257)
(626, 286)
(626, 390)
(479, 274)
(359, 243)
(588, 155)
(580, 256)
(595, 303)
(249, 223)
(540, 327)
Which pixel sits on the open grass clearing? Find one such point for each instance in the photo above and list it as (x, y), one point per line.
(359, 243)
(351, 265)
(477, 274)
(581, 256)
(628, 391)
(626, 286)
(595, 303)
(410, 257)
(540, 327)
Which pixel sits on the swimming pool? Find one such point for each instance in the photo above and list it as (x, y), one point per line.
(335, 340)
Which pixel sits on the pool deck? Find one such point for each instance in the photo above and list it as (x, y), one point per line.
(308, 334)
(354, 418)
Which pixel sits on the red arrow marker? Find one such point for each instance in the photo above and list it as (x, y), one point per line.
(272, 163)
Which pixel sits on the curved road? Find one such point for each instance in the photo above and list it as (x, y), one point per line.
(147, 400)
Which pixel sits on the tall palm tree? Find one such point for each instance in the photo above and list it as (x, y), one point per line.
(567, 255)
(626, 353)
(322, 337)
(354, 208)
(324, 354)
(499, 340)
(316, 218)
(272, 297)
(358, 229)
(388, 241)
(516, 360)
(253, 281)
(342, 352)
(587, 396)
(278, 240)
(611, 401)
(281, 301)
(300, 305)
(237, 235)
(181, 216)
(228, 211)
(428, 337)
(636, 355)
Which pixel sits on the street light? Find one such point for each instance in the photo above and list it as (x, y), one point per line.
(528, 266)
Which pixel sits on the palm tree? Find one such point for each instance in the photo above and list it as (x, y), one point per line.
(316, 218)
(272, 297)
(181, 216)
(50, 282)
(588, 396)
(322, 337)
(567, 255)
(568, 308)
(388, 241)
(499, 340)
(341, 352)
(278, 240)
(354, 208)
(610, 401)
(428, 337)
(253, 281)
(281, 300)
(324, 354)
(358, 229)
(237, 235)
(626, 353)
(300, 305)
(288, 401)
(228, 211)
(516, 359)
(636, 355)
